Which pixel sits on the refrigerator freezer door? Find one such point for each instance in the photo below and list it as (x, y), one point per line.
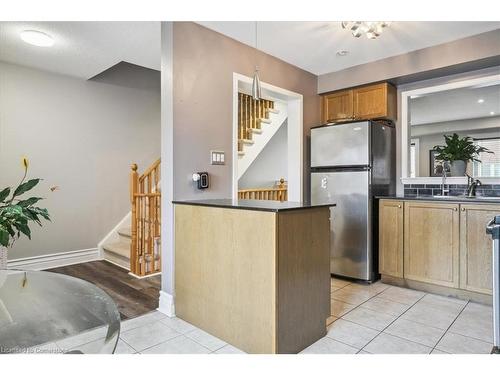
(341, 145)
(350, 226)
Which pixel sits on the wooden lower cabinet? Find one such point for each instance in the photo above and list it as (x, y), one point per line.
(441, 243)
(475, 247)
(431, 243)
(391, 237)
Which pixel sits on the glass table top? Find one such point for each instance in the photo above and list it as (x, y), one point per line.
(45, 312)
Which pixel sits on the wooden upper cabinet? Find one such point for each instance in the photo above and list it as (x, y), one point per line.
(475, 247)
(338, 106)
(431, 243)
(375, 102)
(391, 237)
(364, 103)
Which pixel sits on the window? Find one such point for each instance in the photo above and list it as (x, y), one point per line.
(490, 163)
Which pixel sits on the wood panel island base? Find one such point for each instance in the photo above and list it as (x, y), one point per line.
(254, 273)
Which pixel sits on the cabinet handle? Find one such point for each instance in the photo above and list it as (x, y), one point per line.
(399, 206)
(463, 208)
(454, 208)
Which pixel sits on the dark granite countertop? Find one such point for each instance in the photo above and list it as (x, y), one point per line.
(254, 205)
(449, 198)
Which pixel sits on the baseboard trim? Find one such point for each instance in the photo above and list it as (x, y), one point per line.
(145, 276)
(166, 304)
(43, 262)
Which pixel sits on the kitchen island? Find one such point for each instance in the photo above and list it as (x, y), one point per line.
(254, 273)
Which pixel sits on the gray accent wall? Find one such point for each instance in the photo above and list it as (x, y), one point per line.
(270, 165)
(203, 65)
(81, 136)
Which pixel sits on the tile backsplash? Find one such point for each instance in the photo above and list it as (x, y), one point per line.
(415, 190)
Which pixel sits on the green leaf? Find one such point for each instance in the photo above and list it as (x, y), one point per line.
(32, 216)
(27, 186)
(10, 230)
(29, 202)
(23, 228)
(4, 194)
(4, 237)
(40, 211)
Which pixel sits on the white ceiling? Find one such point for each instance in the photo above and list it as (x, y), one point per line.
(457, 104)
(312, 46)
(83, 49)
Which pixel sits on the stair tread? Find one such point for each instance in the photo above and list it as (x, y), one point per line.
(265, 120)
(120, 248)
(125, 232)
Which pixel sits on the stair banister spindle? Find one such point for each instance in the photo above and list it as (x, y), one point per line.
(134, 184)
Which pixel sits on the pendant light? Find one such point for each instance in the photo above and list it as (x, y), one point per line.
(256, 89)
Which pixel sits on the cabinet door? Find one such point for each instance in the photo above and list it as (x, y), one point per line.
(391, 238)
(375, 101)
(338, 106)
(431, 243)
(475, 247)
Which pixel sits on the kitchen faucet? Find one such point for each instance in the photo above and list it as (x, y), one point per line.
(472, 184)
(444, 189)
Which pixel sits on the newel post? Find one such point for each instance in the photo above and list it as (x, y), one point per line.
(282, 192)
(134, 184)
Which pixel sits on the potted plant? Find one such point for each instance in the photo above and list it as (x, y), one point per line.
(458, 151)
(16, 213)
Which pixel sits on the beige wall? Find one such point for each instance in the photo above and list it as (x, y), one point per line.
(203, 66)
(462, 51)
(81, 136)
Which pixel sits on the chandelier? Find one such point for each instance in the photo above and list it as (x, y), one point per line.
(372, 29)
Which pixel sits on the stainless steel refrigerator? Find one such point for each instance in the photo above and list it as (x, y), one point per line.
(350, 164)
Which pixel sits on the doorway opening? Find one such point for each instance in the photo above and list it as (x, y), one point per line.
(267, 142)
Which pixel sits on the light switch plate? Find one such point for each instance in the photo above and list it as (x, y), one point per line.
(217, 158)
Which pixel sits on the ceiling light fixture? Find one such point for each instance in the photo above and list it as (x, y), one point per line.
(342, 52)
(492, 113)
(256, 89)
(480, 101)
(372, 29)
(37, 38)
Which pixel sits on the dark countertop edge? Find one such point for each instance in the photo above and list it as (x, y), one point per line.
(267, 209)
(436, 199)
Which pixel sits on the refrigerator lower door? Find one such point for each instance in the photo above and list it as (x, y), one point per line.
(350, 225)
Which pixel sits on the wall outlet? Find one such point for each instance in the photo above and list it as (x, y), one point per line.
(217, 158)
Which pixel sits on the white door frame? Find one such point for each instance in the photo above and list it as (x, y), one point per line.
(294, 142)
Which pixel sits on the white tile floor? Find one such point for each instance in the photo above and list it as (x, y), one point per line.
(383, 319)
(365, 319)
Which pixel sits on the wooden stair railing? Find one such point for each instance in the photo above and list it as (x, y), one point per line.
(251, 113)
(269, 194)
(145, 198)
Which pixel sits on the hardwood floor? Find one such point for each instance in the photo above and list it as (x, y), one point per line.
(132, 296)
